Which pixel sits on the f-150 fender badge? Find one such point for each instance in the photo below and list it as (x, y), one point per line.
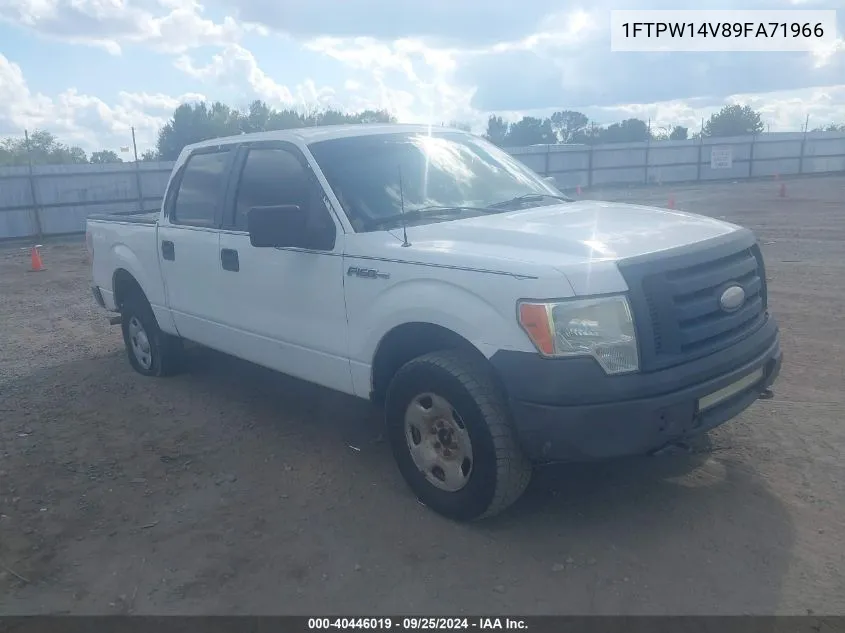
(366, 273)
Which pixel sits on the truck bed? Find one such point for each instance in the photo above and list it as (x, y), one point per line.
(126, 241)
(135, 217)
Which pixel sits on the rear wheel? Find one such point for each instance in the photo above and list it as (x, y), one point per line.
(151, 352)
(450, 431)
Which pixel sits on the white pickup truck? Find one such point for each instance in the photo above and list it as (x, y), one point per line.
(499, 323)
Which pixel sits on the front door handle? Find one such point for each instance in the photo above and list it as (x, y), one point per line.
(168, 251)
(229, 259)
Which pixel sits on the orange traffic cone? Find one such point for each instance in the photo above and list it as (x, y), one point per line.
(671, 204)
(35, 257)
(782, 192)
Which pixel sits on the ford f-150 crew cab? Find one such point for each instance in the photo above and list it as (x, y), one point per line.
(499, 323)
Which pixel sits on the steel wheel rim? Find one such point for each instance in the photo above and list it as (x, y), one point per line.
(438, 442)
(140, 343)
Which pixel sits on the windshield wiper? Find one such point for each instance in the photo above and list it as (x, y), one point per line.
(415, 214)
(528, 198)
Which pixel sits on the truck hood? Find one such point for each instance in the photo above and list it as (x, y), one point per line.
(570, 233)
(580, 241)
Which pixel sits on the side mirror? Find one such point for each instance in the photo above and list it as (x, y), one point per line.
(284, 225)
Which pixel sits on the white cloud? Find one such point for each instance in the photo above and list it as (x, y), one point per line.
(413, 80)
(79, 119)
(235, 67)
(404, 77)
(455, 22)
(453, 59)
(443, 61)
(157, 102)
(824, 54)
(565, 29)
(787, 110)
(170, 26)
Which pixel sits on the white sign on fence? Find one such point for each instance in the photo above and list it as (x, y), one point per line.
(721, 158)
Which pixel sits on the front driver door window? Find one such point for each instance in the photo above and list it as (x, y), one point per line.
(288, 307)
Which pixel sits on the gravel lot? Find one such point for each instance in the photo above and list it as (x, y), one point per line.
(231, 489)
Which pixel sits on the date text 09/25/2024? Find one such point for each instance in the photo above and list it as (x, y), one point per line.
(417, 624)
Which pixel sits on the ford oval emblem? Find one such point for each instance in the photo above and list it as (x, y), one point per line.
(732, 298)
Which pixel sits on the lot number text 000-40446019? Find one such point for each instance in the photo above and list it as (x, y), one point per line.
(418, 624)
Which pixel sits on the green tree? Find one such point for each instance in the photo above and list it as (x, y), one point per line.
(568, 125)
(530, 131)
(590, 135)
(459, 125)
(734, 120)
(42, 149)
(831, 127)
(497, 130)
(679, 133)
(373, 116)
(105, 156)
(327, 117)
(256, 117)
(149, 156)
(284, 120)
(192, 123)
(337, 117)
(627, 131)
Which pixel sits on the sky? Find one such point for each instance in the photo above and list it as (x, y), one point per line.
(90, 70)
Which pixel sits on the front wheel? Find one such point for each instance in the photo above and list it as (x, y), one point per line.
(450, 431)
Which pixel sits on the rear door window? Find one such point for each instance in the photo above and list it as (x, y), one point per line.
(201, 189)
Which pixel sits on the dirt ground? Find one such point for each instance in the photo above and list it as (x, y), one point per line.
(232, 490)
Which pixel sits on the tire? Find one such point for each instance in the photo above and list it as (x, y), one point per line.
(497, 473)
(160, 354)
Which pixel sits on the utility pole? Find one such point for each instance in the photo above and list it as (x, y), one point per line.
(36, 218)
(700, 146)
(803, 145)
(137, 173)
(134, 146)
(647, 148)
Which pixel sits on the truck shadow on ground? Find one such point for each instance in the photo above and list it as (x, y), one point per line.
(301, 480)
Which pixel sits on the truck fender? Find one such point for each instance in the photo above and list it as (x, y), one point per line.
(466, 314)
(126, 260)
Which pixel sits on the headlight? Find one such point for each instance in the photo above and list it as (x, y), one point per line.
(601, 327)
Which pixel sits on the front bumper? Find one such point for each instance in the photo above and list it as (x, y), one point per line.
(569, 410)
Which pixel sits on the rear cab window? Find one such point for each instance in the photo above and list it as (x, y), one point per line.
(200, 188)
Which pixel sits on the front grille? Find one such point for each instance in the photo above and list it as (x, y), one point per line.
(676, 302)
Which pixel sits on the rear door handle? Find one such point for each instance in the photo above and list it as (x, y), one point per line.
(229, 259)
(168, 251)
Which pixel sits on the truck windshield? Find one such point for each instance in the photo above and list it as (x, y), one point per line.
(445, 176)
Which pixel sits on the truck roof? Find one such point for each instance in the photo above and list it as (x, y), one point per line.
(321, 133)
